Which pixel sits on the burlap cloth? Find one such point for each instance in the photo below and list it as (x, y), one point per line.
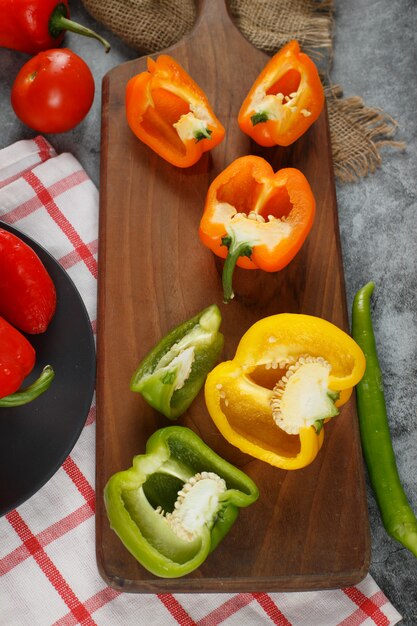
(357, 131)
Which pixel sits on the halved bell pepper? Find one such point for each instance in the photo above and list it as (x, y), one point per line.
(256, 218)
(176, 503)
(174, 371)
(169, 112)
(291, 372)
(285, 99)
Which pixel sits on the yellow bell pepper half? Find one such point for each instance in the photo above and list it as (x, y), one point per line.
(290, 374)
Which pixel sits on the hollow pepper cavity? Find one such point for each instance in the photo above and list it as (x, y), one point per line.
(174, 371)
(285, 99)
(290, 374)
(170, 113)
(176, 503)
(17, 359)
(34, 25)
(255, 218)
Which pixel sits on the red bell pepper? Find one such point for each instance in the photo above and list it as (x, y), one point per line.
(27, 293)
(34, 25)
(17, 358)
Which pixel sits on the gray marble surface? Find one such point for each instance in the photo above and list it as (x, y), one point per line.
(374, 57)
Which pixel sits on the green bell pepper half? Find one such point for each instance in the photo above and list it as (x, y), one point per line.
(176, 503)
(174, 371)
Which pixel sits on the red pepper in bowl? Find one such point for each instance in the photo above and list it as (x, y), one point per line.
(27, 292)
(34, 25)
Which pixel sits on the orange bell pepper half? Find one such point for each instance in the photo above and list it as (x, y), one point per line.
(170, 113)
(285, 99)
(255, 218)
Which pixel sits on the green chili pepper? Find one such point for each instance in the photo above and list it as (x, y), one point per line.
(172, 374)
(176, 503)
(397, 515)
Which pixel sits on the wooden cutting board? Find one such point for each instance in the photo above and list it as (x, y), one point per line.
(309, 528)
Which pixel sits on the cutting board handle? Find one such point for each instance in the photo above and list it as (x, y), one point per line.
(212, 15)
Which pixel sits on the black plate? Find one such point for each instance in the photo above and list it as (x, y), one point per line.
(36, 438)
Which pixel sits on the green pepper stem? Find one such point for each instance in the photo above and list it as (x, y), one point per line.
(31, 392)
(236, 250)
(203, 134)
(59, 22)
(259, 118)
(318, 425)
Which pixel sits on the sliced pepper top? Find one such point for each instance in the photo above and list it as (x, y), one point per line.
(169, 112)
(256, 218)
(176, 503)
(285, 99)
(290, 374)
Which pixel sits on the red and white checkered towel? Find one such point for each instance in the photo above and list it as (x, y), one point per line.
(47, 552)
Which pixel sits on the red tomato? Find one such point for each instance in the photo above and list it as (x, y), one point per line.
(53, 91)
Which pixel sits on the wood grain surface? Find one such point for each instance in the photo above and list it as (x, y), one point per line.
(309, 528)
